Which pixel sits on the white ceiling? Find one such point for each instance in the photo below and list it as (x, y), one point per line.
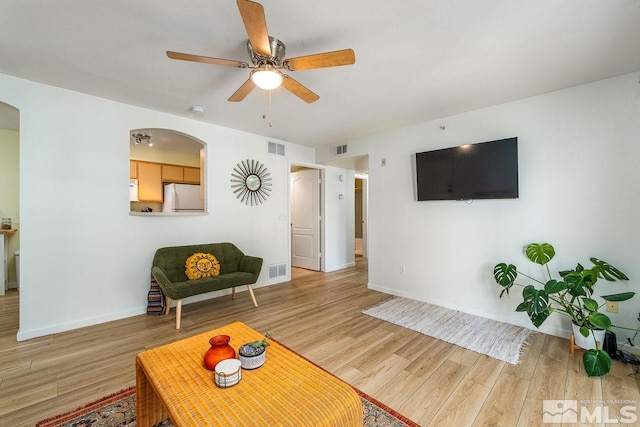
(416, 60)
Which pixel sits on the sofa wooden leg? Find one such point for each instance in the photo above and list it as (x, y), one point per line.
(178, 313)
(233, 293)
(253, 297)
(167, 304)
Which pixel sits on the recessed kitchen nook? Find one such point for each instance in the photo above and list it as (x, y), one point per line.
(166, 173)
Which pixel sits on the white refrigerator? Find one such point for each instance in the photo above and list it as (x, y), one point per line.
(182, 198)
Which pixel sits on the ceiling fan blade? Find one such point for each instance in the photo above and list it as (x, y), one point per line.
(321, 60)
(256, 25)
(242, 91)
(299, 90)
(206, 59)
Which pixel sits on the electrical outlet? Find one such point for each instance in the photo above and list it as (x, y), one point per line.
(612, 306)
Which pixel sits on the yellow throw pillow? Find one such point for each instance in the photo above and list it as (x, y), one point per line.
(201, 265)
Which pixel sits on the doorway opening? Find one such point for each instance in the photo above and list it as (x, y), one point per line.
(10, 214)
(359, 216)
(362, 215)
(306, 220)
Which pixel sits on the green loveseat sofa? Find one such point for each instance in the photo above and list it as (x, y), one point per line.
(236, 269)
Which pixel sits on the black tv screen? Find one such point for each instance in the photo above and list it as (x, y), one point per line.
(487, 170)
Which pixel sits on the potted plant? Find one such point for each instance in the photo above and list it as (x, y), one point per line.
(253, 354)
(571, 296)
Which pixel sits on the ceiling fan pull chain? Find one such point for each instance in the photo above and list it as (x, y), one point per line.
(264, 104)
(266, 114)
(270, 112)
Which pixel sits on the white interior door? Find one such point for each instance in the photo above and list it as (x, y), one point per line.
(305, 219)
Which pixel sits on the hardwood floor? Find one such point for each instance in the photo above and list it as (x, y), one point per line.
(319, 316)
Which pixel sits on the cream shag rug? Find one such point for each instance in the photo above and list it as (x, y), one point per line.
(495, 339)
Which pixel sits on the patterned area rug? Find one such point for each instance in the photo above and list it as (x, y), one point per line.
(119, 410)
(499, 340)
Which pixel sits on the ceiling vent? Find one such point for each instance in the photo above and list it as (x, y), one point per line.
(275, 148)
(338, 150)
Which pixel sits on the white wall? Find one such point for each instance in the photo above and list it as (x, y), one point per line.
(91, 263)
(339, 247)
(579, 151)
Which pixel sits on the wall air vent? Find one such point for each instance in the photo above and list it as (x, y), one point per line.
(277, 270)
(338, 150)
(275, 148)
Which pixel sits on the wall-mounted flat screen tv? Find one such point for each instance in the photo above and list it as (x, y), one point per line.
(487, 170)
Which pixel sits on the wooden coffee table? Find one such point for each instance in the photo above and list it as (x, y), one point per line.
(287, 390)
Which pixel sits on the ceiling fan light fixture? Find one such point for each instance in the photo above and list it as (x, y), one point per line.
(266, 77)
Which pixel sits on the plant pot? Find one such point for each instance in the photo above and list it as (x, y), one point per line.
(251, 357)
(220, 350)
(588, 343)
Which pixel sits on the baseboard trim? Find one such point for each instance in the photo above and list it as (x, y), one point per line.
(28, 334)
(339, 267)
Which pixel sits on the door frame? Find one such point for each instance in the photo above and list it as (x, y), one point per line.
(365, 214)
(321, 195)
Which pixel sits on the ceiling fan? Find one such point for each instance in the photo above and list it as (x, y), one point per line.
(267, 55)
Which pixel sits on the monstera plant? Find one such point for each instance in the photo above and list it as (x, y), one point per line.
(570, 296)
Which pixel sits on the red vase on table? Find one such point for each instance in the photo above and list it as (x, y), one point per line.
(220, 350)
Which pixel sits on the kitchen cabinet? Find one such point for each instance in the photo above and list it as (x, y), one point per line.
(152, 177)
(175, 174)
(191, 175)
(133, 169)
(150, 182)
(172, 173)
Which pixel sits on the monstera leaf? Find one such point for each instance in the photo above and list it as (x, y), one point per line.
(505, 274)
(540, 253)
(553, 286)
(596, 362)
(536, 304)
(579, 281)
(607, 271)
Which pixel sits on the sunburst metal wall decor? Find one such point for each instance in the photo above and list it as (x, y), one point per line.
(251, 182)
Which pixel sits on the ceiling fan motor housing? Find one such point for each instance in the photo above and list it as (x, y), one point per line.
(277, 53)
